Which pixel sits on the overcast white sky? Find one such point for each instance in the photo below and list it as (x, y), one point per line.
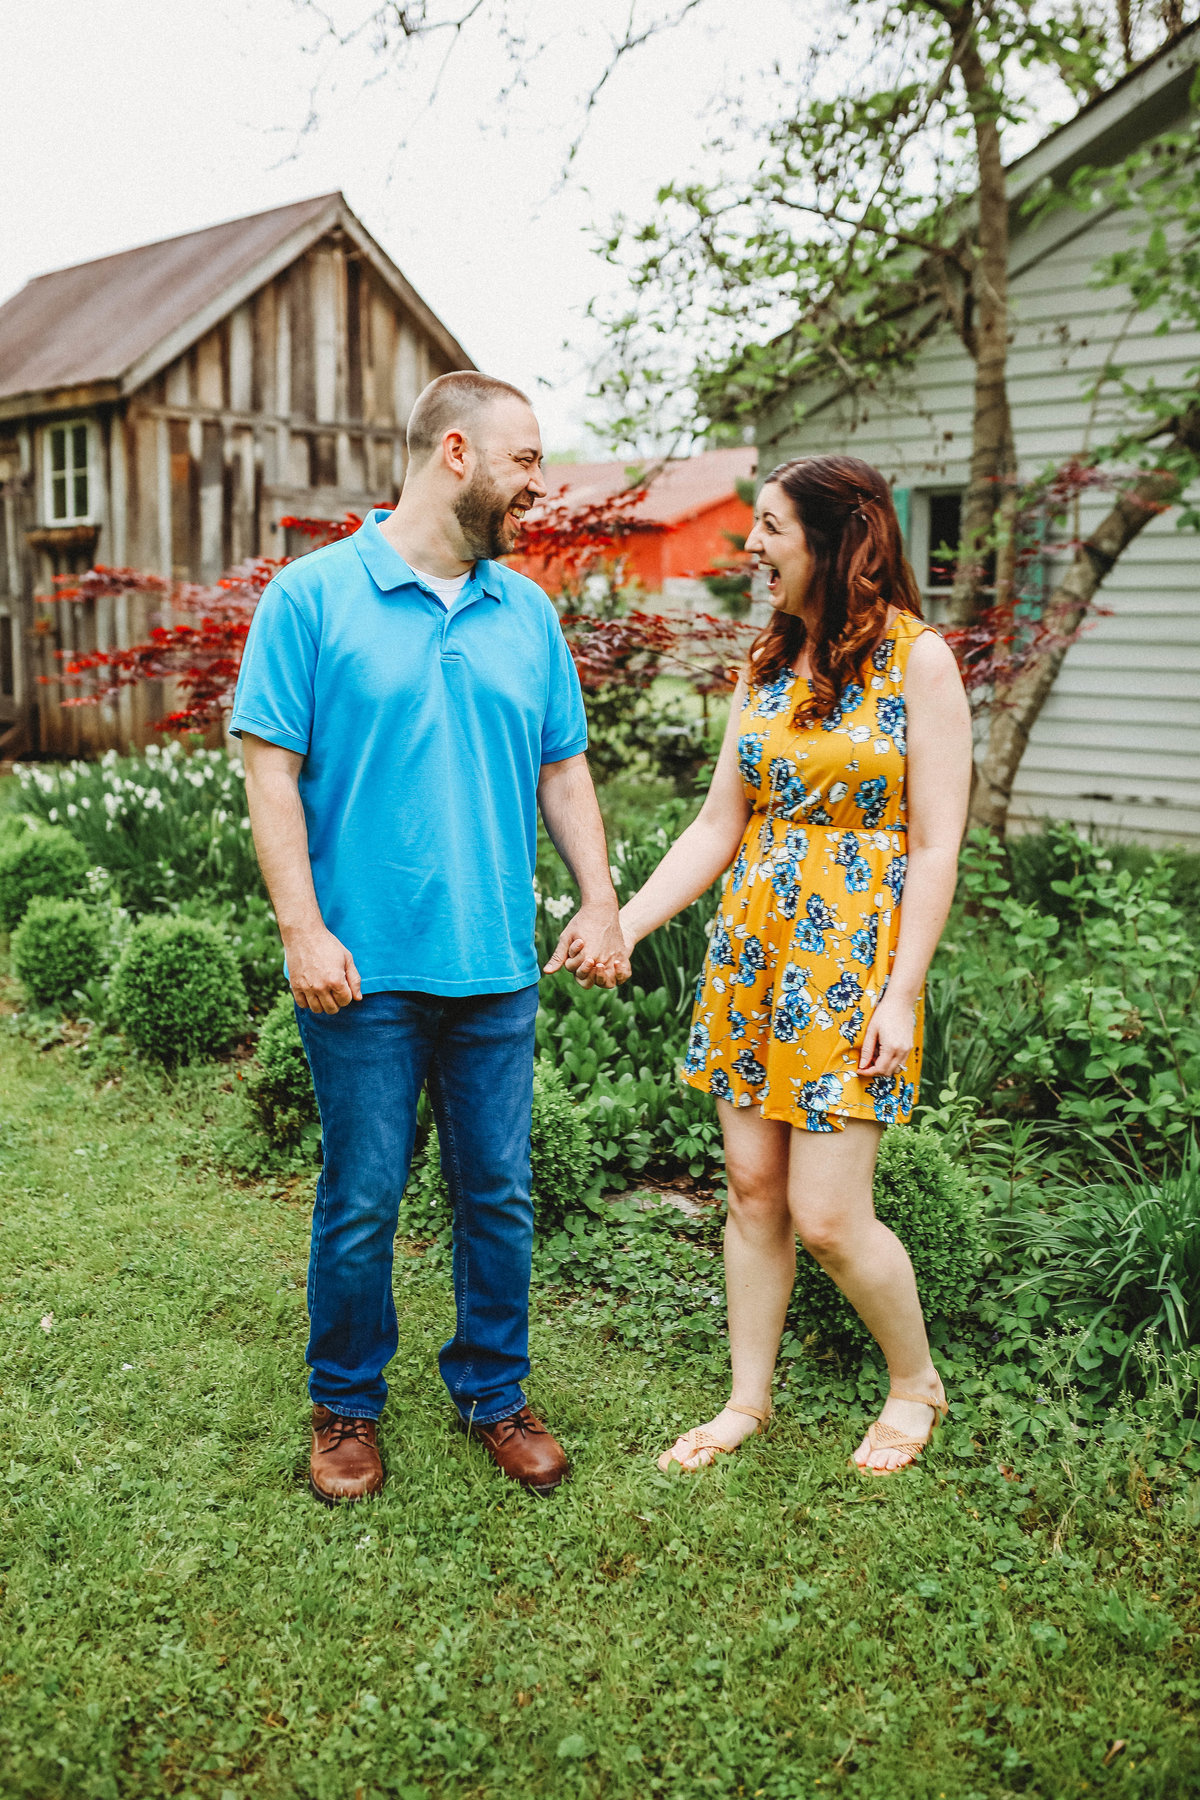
(129, 120)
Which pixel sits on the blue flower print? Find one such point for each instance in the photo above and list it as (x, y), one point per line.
(750, 746)
(893, 876)
(772, 698)
(815, 1121)
(905, 1098)
(858, 876)
(865, 942)
(848, 701)
(818, 919)
(739, 870)
(883, 1092)
(820, 913)
(793, 1009)
(737, 1023)
(893, 721)
(818, 1096)
(844, 993)
(847, 850)
(718, 1084)
(749, 1068)
(699, 987)
(784, 781)
(814, 812)
(851, 1027)
(809, 938)
(881, 655)
(871, 796)
(697, 1050)
(720, 950)
(751, 962)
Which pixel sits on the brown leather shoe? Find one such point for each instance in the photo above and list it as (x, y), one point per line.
(344, 1464)
(523, 1449)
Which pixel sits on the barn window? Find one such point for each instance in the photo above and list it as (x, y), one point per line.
(68, 473)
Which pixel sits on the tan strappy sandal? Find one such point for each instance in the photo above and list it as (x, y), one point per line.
(882, 1436)
(700, 1439)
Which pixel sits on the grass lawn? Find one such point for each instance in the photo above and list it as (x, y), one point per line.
(178, 1617)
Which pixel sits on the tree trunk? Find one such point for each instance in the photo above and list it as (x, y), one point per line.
(1017, 703)
(986, 337)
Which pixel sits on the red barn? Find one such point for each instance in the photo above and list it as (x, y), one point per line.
(689, 507)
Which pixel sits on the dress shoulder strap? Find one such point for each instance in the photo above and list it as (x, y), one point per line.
(906, 628)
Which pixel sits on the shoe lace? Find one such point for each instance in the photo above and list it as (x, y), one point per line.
(521, 1424)
(340, 1429)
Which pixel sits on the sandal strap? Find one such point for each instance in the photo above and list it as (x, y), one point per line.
(882, 1436)
(940, 1408)
(751, 1412)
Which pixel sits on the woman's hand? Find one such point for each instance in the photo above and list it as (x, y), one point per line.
(889, 1036)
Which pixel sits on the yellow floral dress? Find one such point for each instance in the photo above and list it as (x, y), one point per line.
(809, 918)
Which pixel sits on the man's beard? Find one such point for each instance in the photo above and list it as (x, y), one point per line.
(481, 511)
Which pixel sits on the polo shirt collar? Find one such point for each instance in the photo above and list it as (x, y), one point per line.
(389, 571)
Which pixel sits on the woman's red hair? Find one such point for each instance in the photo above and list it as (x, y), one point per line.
(859, 571)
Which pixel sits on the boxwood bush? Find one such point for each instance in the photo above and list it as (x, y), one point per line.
(278, 1082)
(37, 861)
(177, 991)
(58, 947)
(933, 1205)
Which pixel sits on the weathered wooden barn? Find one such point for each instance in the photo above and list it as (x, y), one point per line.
(1117, 745)
(162, 409)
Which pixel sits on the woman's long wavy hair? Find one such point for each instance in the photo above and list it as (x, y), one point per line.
(859, 571)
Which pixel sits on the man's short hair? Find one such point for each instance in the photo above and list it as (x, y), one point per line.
(451, 400)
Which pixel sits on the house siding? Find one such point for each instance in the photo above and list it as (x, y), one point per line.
(1117, 745)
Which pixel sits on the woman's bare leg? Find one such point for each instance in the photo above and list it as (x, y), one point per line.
(829, 1192)
(760, 1263)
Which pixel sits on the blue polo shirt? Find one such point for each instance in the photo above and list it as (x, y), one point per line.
(423, 733)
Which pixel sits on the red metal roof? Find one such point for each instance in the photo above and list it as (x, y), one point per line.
(680, 490)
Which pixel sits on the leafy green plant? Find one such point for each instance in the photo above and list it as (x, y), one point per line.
(169, 824)
(57, 948)
(176, 992)
(1121, 1257)
(249, 924)
(933, 1206)
(40, 860)
(278, 1082)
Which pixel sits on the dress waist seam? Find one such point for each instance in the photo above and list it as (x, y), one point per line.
(766, 816)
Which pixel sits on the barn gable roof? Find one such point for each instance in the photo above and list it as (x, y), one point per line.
(100, 329)
(676, 491)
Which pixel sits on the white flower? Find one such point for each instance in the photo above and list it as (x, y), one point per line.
(859, 734)
(560, 908)
(881, 746)
(84, 801)
(838, 791)
(72, 811)
(614, 872)
(52, 815)
(48, 1321)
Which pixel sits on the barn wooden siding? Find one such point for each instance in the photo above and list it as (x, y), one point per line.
(295, 402)
(1117, 745)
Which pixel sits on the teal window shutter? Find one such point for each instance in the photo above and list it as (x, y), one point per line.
(902, 500)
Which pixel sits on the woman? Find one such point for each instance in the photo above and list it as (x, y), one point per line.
(841, 786)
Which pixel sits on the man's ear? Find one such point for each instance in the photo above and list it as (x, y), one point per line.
(455, 451)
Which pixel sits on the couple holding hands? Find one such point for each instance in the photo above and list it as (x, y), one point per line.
(407, 704)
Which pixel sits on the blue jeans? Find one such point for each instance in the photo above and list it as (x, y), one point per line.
(369, 1063)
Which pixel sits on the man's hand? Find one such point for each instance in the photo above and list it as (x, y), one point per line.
(592, 948)
(321, 971)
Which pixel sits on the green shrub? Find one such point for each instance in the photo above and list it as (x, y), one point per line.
(45, 861)
(176, 992)
(249, 924)
(58, 947)
(561, 1157)
(933, 1206)
(278, 1081)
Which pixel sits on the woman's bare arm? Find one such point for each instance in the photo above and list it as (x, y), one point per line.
(702, 852)
(939, 787)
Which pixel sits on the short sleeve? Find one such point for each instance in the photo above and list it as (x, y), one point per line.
(274, 697)
(564, 728)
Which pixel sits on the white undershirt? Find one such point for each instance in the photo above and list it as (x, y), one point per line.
(447, 591)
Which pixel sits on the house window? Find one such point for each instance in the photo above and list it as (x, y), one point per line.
(68, 474)
(934, 534)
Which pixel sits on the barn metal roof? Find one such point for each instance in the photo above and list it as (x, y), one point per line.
(677, 490)
(114, 322)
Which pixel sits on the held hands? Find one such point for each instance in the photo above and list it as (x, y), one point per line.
(592, 948)
(889, 1036)
(321, 971)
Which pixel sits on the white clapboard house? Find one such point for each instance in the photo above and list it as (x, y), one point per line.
(1117, 746)
(164, 408)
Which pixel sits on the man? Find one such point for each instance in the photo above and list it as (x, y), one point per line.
(405, 704)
